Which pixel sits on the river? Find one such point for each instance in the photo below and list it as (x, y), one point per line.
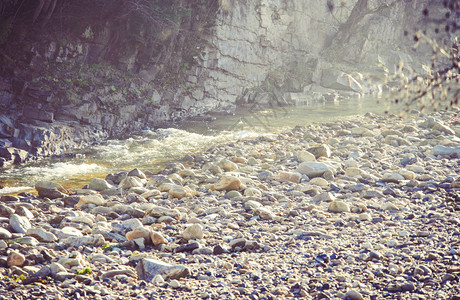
(154, 148)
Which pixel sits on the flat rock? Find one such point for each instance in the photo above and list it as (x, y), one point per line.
(193, 232)
(90, 199)
(353, 295)
(147, 269)
(446, 151)
(5, 234)
(95, 240)
(131, 181)
(42, 235)
(227, 183)
(314, 169)
(320, 151)
(19, 224)
(139, 232)
(177, 192)
(15, 259)
(339, 207)
(49, 185)
(138, 173)
(304, 156)
(157, 238)
(98, 184)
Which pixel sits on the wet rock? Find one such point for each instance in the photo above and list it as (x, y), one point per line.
(147, 269)
(19, 224)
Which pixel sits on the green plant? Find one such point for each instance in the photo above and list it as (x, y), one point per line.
(84, 271)
(14, 277)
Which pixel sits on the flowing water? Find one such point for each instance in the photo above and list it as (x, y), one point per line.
(153, 149)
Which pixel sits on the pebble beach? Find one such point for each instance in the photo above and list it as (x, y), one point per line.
(361, 208)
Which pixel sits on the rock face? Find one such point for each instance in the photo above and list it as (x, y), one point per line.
(282, 48)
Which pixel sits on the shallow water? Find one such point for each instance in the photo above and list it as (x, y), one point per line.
(153, 149)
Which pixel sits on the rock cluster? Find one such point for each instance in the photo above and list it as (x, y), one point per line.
(365, 208)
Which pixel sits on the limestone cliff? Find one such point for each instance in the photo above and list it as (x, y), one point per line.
(107, 75)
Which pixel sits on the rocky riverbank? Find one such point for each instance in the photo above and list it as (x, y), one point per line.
(364, 208)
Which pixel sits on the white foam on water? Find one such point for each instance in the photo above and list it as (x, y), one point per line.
(60, 170)
(15, 189)
(166, 144)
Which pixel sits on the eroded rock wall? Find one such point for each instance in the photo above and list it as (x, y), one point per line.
(258, 52)
(287, 46)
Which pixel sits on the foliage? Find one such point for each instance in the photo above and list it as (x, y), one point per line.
(84, 271)
(437, 87)
(14, 277)
(165, 33)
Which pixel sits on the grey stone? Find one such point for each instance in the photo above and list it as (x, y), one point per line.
(5, 234)
(99, 184)
(314, 169)
(19, 224)
(446, 151)
(147, 269)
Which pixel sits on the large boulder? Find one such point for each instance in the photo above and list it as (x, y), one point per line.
(338, 80)
(49, 185)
